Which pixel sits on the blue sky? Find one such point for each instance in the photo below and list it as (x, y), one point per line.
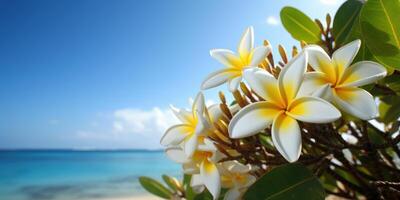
(101, 74)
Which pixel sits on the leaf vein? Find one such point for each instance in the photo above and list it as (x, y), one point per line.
(291, 187)
(303, 27)
(390, 23)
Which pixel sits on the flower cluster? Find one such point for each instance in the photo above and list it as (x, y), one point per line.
(310, 88)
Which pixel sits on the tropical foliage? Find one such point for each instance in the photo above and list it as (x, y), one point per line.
(321, 121)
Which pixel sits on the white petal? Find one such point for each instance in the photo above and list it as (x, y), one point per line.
(215, 112)
(291, 77)
(250, 180)
(198, 104)
(263, 83)
(182, 114)
(234, 83)
(190, 168)
(233, 194)
(217, 156)
(252, 119)
(175, 134)
(219, 77)
(196, 182)
(313, 110)
(286, 137)
(190, 145)
(211, 177)
(246, 43)
(259, 54)
(236, 167)
(320, 60)
(323, 92)
(345, 54)
(208, 146)
(313, 81)
(356, 102)
(176, 154)
(362, 73)
(226, 57)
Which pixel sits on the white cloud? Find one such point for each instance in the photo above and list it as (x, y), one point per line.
(128, 128)
(329, 2)
(139, 121)
(272, 20)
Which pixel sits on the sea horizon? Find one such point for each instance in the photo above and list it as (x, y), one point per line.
(84, 149)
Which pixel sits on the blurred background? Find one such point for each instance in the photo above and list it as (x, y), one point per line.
(85, 85)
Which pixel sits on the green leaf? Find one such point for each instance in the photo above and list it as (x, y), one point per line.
(155, 187)
(300, 26)
(205, 195)
(172, 182)
(292, 181)
(381, 30)
(393, 82)
(189, 193)
(344, 21)
(389, 109)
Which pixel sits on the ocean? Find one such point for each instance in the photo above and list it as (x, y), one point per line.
(64, 174)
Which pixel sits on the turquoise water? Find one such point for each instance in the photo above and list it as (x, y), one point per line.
(59, 175)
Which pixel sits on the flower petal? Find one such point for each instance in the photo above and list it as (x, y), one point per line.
(362, 73)
(345, 55)
(259, 54)
(215, 112)
(291, 77)
(246, 43)
(198, 104)
(203, 125)
(219, 77)
(211, 177)
(176, 154)
(252, 119)
(175, 134)
(196, 182)
(190, 146)
(207, 146)
(313, 110)
(321, 62)
(233, 194)
(263, 83)
(236, 167)
(190, 168)
(233, 84)
(226, 57)
(250, 180)
(286, 137)
(356, 102)
(182, 114)
(312, 84)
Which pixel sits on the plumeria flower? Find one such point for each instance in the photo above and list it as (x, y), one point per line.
(247, 56)
(194, 127)
(203, 162)
(337, 81)
(281, 108)
(236, 177)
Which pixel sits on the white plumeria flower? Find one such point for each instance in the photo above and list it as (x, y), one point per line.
(236, 177)
(194, 127)
(247, 56)
(203, 162)
(337, 81)
(281, 108)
